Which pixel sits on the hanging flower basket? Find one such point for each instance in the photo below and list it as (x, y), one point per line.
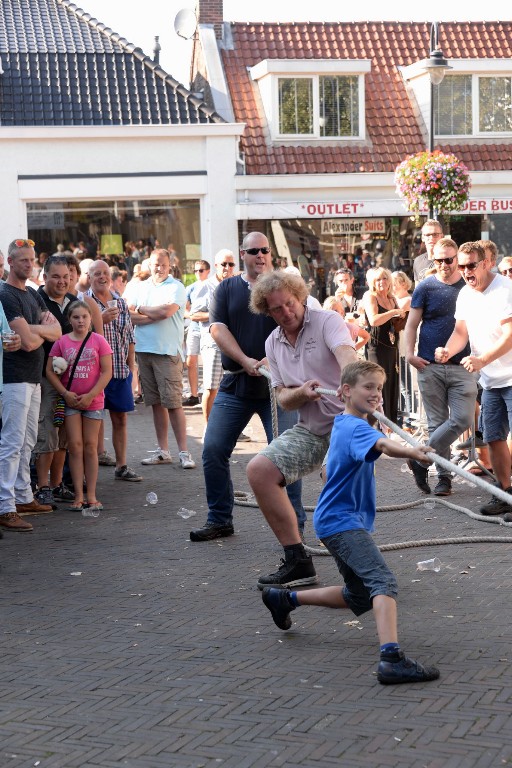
(433, 180)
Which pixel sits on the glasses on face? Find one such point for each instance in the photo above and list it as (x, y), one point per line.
(447, 260)
(255, 251)
(506, 271)
(472, 265)
(200, 270)
(24, 243)
(432, 234)
(226, 264)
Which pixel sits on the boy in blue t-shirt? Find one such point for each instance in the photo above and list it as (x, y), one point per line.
(343, 520)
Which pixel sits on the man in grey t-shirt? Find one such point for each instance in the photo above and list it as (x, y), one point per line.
(28, 317)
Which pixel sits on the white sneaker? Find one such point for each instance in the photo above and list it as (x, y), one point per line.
(159, 457)
(186, 460)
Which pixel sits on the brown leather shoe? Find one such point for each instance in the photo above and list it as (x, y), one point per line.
(33, 508)
(13, 522)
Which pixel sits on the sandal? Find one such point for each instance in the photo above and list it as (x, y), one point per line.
(75, 507)
(474, 469)
(95, 506)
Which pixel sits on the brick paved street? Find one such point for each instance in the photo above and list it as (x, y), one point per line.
(160, 652)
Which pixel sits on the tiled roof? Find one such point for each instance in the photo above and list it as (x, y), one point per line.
(393, 131)
(61, 66)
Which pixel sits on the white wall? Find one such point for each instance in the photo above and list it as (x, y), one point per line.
(75, 151)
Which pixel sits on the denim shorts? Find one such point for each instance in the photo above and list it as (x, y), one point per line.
(86, 414)
(363, 568)
(496, 413)
(297, 452)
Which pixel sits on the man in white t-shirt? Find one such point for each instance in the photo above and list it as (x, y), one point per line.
(308, 349)
(483, 314)
(157, 312)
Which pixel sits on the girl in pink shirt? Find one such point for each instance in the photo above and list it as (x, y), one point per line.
(84, 399)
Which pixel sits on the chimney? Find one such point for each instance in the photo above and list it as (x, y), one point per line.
(211, 12)
(156, 50)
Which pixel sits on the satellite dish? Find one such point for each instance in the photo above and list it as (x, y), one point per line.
(185, 23)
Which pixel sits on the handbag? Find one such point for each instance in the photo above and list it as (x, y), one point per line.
(399, 323)
(59, 408)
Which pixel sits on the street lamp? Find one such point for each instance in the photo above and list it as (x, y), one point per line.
(436, 66)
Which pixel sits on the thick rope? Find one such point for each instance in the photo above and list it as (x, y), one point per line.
(242, 498)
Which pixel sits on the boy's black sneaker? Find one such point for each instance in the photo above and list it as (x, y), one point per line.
(291, 573)
(405, 671)
(44, 496)
(496, 506)
(443, 487)
(279, 606)
(420, 475)
(211, 531)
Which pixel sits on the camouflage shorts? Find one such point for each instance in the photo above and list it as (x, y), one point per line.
(297, 452)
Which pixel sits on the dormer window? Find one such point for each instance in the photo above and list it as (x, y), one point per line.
(469, 105)
(313, 99)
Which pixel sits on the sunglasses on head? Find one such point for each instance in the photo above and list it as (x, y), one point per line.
(471, 266)
(447, 260)
(24, 243)
(227, 264)
(255, 251)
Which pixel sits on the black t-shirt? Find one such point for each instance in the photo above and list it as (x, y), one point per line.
(60, 311)
(22, 367)
(230, 306)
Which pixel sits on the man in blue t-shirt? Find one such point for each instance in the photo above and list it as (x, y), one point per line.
(448, 391)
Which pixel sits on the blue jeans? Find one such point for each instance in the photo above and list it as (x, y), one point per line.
(230, 415)
(496, 414)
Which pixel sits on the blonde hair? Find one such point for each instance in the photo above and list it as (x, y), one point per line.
(375, 274)
(402, 279)
(353, 371)
(331, 302)
(276, 281)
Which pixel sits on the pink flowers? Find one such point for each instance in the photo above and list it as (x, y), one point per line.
(433, 179)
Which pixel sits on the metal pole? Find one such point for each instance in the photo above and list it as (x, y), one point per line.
(431, 136)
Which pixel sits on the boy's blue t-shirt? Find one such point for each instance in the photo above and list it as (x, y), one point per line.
(347, 501)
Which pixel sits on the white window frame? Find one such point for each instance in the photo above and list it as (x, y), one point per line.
(268, 73)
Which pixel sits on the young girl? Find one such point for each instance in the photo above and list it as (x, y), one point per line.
(84, 400)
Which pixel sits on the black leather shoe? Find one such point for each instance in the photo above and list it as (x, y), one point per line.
(405, 671)
(497, 507)
(212, 531)
(420, 475)
(443, 487)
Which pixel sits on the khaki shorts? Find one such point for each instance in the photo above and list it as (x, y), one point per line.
(161, 377)
(47, 434)
(297, 452)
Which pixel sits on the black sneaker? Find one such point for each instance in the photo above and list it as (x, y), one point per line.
(405, 671)
(44, 496)
(420, 475)
(291, 573)
(63, 494)
(496, 506)
(212, 531)
(507, 518)
(190, 401)
(443, 487)
(279, 606)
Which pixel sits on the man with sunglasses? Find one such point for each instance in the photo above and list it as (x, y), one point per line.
(29, 317)
(431, 232)
(483, 316)
(243, 391)
(448, 391)
(194, 307)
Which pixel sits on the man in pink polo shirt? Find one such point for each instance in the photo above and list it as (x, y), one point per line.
(308, 349)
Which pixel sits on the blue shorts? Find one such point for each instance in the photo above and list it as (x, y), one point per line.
(496, 414)
(86, 414)
(119, 395)
(363, 568)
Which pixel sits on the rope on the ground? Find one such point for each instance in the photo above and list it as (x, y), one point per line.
(507, 498)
